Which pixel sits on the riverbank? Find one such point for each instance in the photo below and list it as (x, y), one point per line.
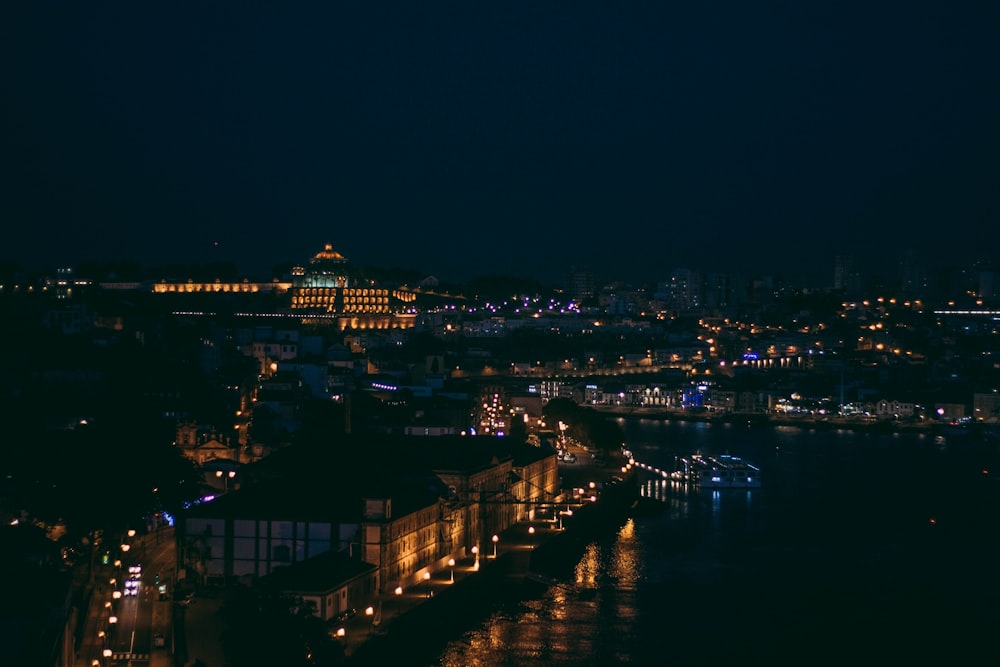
(417, 625)
(853, 423)
(413, 626)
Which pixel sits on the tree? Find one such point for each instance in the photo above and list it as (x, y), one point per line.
(589, 427)
(264, 626)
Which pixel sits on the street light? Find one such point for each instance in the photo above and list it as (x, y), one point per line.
(399, 590)
(228, 476)
(451, 567)
(427, 578)
(370, 613)
(496, 539)
(475, 551)
(531, 531)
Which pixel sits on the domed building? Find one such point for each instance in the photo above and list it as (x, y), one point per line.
(326, 291)
(329, 287)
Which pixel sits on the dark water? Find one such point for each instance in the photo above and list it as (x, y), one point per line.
(858, 548)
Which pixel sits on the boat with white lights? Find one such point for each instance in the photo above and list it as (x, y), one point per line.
(717, 472)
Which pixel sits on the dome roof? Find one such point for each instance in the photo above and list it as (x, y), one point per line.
(328, 254)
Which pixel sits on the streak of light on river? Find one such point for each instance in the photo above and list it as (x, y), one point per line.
(882, 543)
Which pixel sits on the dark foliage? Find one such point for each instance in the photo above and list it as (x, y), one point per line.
(586, 425)
(265, 627)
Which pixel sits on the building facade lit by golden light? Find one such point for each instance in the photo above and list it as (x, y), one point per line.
(325, 291)
(220, 287)
(329, 286)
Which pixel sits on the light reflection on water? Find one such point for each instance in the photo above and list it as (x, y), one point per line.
(590, 616)
(626, 565)
(836, 547)
(589, 567)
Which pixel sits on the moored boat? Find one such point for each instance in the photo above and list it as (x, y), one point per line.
(717, 472)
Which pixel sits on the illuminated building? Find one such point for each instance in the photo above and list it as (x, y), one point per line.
(218, 287)
(326, 291)
(401, 504)
(328, 286)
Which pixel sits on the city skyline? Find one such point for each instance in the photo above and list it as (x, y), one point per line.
(909, 276)
(629, 141)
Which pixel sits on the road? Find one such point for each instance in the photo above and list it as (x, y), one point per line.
(141, 618)
(122, 630)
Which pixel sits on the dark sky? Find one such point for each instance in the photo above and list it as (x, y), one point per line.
(520, 138)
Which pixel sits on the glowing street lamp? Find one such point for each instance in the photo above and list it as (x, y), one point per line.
(370, 613)
(451, 567)
(225, 477)
(399, 590)
(427, 578)
(475, 551)
(496, 538)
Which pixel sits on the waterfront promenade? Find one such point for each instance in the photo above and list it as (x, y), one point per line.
(193, 634)
(863, 423)
(422, 618)
(427, 606)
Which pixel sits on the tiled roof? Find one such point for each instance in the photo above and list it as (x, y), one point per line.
(330, 483)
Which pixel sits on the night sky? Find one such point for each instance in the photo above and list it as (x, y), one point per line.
(517, 138)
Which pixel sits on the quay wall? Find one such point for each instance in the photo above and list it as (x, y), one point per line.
(420, 634)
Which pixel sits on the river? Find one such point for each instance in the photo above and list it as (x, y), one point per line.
(878, 548)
